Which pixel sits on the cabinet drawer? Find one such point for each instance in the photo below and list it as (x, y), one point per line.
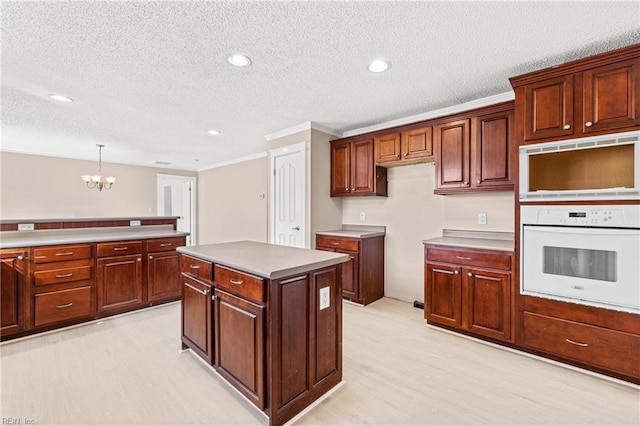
(470, 258)
(62, 275)
(164, 244)
(609, 349)
(350, 244)
(61, 253)
(196, 267)
(62, 305)
(240, 283)
(119, 249)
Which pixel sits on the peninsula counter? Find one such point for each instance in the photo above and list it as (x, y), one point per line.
(268, 319)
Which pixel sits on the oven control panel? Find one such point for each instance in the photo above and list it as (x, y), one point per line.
(602, 216)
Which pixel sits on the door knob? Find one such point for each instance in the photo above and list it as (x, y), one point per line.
(297, 228)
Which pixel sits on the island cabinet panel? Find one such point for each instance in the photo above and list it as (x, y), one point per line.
(197, 318)
(240, 345)
(119, 282)
(469, 290)
(325, 333)
(13, 291)
(163, 269)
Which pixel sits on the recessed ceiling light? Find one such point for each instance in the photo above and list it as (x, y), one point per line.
(379, 66)
(239, 60)
(214, 132)
(60, 98)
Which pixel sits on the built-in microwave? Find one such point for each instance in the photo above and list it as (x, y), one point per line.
(595, 168)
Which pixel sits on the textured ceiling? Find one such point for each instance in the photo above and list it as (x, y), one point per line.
(149, 79)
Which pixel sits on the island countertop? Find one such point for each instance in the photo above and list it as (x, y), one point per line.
(264, 260)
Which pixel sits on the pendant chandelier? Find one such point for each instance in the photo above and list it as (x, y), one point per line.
(98, 181)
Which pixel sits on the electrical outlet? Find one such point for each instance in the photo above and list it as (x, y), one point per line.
(325, 298)
(134, 223)
(25, 227)
(482, 218)
(363, 216)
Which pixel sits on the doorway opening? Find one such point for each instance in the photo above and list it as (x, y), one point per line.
(177, 197)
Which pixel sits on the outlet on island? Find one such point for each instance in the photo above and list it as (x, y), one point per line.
(482, 218)
(363, 216)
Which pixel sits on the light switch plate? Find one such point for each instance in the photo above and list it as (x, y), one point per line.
(134, 223)
(325, 298)
(482, 218)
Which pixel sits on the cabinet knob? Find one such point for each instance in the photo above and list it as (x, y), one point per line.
(20, 257)
(469, 274)
(150, 257)
(397, 155)
(466, 183)
(139, 259)
(566, 126)
(456, 272)
(406, 153)
(588, 124)
(478, 181)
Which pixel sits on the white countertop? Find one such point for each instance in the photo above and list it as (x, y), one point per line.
(46, 237)
(356, 231)
(474, 239)
(265, 260)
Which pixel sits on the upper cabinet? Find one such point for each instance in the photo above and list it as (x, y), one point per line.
(591, 96)
(409, 146)
(473, 151)
(353, 171)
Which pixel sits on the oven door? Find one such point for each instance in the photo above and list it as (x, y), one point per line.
(592, 266)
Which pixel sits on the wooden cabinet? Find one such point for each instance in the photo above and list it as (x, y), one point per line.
(240, 344)
(469, 290)
(590, 96)
(353, 171)
(197, 318)
(163, 269)
(62, 284)
(473, 153)
(13, 291)
(119, 278)
(410, 146)
(363, 274)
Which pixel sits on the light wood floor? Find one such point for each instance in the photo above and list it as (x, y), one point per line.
(129, 370)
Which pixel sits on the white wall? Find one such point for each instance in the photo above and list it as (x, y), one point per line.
(413, 213)
(41, 187)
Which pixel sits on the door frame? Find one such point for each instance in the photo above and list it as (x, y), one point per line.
(194, 194)
(280, 152)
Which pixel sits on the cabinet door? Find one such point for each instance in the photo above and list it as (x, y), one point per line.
(350, 275)
(363, 173)
(13, 293)
(197, 325)
(548, 108)
(488, 303)
(387, 148)
(340, 168)
(443, 294)
(119, 282)
(490, 159)
(240, 345)
(453, 149)
(417, 143)
(611, 96)
(163, 276)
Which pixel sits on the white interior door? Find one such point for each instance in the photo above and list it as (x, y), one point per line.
(289, 196)
(177, 197)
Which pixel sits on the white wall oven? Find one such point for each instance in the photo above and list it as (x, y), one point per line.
(587, 254)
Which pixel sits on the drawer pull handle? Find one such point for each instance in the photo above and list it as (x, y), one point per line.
(66, 253)
(584, 345)
(166, 244)
(70, 274)
(463, 258)
(203, 292)
(194, 266)
(68, 305)
(120, 248)
(335, 243)
(236, 282)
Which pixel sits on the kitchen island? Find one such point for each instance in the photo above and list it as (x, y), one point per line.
(267, 318)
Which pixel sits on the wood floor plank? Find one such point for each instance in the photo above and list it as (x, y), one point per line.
(129, 370)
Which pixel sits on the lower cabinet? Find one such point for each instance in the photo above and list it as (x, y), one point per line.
(13, 286)
(62, 305)
(197, 324)
(240, 344)
(119, 282)
(163, 278)
(469, 290)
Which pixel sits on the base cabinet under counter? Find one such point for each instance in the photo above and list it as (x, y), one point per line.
(469, 290)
